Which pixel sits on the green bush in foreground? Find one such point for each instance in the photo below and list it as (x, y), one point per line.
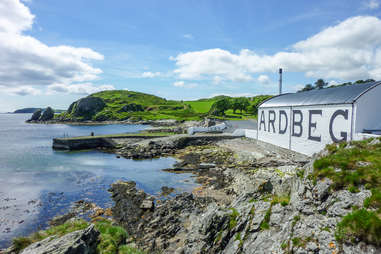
(112, 239)
(360, 225)
(352, 166)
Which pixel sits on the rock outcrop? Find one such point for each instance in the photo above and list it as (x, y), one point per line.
(81, 241)
(132, 107)
(47, 115)
(36, 115)
(86, 108)
(42, 115)
(267, 204)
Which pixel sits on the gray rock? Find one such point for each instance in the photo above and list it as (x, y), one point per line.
(375, 141)
(321, 190)
(36, 115)
(147, 204)
(132, 107)
(81, 241)
(86, 107)
(47, 115)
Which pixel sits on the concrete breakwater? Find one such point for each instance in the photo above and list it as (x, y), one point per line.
(92, 142)
(114, 141)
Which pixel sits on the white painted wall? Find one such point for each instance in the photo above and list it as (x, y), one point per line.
(307, 143)
(368, 111)
(217, 127)
(340, 125)
(273, 136)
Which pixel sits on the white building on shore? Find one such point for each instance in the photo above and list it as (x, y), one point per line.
(305, 122)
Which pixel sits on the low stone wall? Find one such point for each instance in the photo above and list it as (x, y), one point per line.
(88, 142)
(81, 144)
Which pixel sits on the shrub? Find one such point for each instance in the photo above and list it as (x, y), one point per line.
(374, 201)
(360, 225)
(233, 218)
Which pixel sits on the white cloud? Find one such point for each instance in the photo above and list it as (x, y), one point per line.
(21, 90)
(83, 89)
(234, 94)
(210, 63)
(15, 17)
(371, 4)
(333, 83)
(264, 79)
(185, 85)
(179, 83)
(188, 36)
(349, 50)
(149, 74)
(26, 61)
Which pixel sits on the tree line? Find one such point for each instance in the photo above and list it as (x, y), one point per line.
(249, 105)
(320, 84)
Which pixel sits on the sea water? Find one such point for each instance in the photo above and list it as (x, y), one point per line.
(38, 183)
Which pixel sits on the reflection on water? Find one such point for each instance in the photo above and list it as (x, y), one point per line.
(37, 183)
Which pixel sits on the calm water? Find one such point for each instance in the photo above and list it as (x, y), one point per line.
(37, 183)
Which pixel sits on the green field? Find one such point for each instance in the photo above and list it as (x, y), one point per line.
(201, 106)
(152, 108)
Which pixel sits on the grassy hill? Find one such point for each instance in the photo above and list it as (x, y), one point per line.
(122, 105)
(203, 106)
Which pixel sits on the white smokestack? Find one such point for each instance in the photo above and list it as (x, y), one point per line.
(280, 81)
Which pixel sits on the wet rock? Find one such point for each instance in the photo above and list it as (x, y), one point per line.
(81, 241)
(36, 115)
(165, 191)
(47, 115)
(61, 219)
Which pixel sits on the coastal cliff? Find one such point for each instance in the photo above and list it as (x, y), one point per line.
(253, 198)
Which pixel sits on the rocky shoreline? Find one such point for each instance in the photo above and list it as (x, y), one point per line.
(253, 198)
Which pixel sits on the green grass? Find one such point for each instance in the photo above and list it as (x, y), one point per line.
(157, 108)
(353, 166)
(266, 220)
(111, 240)
(360, 225)
(22, 242)
(283, 200)
(201, 106)
(233, 218)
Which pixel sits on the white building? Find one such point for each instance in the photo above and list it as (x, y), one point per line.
(305, 122)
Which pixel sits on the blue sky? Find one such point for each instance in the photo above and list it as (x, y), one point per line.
(181, 49)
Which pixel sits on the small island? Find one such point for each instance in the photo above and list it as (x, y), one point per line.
(129, 106)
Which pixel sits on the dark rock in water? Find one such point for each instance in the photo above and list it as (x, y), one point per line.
(47, 115)
(165, 191)
(61, 219)
(36, 115)
(153, 226)
(81, 241)
(86, 107)
(132, 107)
(128, 200)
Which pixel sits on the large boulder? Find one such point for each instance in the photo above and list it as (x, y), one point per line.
(47, 115)
(132, 107)
(86, 107)
(36, 115)
(81, 241)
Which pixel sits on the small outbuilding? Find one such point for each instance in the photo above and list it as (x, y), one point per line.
(306, 121)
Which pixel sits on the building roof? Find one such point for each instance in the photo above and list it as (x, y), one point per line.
(336, 95)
